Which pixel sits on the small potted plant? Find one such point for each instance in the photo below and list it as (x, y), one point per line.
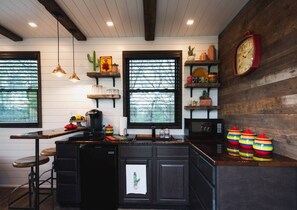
(205, 100)
(114, 67)
(191, 55)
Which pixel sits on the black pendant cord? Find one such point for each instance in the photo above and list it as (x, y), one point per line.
(73, 52)
(58, 40)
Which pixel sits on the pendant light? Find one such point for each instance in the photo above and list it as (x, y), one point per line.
(58, 71)
(73, 77)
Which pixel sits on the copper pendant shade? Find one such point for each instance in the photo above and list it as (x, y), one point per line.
(73, 77)
(58, 71)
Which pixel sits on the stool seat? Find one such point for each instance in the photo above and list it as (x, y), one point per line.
(48, 151)
(29, 161)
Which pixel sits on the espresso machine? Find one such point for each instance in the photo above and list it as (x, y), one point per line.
(94, 127)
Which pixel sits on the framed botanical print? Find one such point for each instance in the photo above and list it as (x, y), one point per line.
(105, 63)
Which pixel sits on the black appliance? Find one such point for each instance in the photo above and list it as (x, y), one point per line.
(204, 130)
(99, 178)
(94, 127)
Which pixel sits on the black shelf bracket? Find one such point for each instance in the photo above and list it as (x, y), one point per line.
(97, 103)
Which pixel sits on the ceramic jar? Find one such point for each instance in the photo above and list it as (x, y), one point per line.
(233, 137)
(262, 148)
(108, 130)
(246, 141)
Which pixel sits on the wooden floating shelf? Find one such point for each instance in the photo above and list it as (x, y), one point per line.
(202, 63)
(201, 107)
(103, 96)
(103, 74)
(202, 85)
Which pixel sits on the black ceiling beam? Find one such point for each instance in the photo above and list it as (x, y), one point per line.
(149, 10)
(9, 34)
(52, 7)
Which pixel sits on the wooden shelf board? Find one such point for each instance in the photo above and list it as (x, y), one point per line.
(103, 96)
(201, 107)
(103, 74)
(202, 63)
(202, 85)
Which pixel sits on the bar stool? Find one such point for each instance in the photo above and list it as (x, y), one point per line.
(50, 152)
(25, 163)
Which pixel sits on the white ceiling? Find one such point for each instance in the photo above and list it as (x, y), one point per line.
(210, 17)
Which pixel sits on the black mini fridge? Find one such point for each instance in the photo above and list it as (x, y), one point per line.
(99, 177)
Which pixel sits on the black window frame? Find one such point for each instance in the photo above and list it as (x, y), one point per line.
(169, 54)
(30, 55)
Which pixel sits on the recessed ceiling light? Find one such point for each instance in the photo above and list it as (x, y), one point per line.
(190, 22)
(32, 24)
(109, 23)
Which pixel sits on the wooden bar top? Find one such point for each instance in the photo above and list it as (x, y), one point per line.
(46, 134)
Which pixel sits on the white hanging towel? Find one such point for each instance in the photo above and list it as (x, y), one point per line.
(136, 179)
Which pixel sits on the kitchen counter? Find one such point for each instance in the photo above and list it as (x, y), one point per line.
(219, 156)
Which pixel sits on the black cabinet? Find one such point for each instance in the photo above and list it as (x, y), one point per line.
(68, 174)
(166, 172)
(130, 155)
(172, 174)
(240, 187)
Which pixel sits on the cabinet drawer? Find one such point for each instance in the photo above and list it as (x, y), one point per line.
(66, 164)
(173, 151)
(67, 151)
(66, 177)
(207, 169)
(135, 151)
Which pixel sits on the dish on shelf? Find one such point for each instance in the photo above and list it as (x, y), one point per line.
(200, 72)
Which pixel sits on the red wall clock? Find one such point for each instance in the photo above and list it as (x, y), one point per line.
(247, 54)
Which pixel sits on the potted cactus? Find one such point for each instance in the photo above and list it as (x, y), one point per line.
(114, 67)
(191, 55)
(205, 100)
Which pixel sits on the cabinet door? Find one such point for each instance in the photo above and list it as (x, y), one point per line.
(172, 181)
(135, 181)
(68, 176)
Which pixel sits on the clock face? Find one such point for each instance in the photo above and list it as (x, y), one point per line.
(245, 56)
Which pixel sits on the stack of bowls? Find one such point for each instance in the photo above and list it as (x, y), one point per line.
(262, 148)
(246, 145)
(233, 137)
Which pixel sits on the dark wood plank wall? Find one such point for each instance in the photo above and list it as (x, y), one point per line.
(265, 100)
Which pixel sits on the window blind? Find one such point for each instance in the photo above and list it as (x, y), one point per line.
(19, 91)
(153, 90)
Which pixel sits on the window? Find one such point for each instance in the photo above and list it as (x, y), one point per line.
(152, 88)
(20, 89)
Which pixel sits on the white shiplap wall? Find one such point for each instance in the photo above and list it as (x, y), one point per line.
(62, 99)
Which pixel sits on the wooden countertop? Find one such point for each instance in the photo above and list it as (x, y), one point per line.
(46, 134)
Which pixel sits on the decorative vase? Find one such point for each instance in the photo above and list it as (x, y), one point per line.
(246, 141)
(262, 148)
(233, 137)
